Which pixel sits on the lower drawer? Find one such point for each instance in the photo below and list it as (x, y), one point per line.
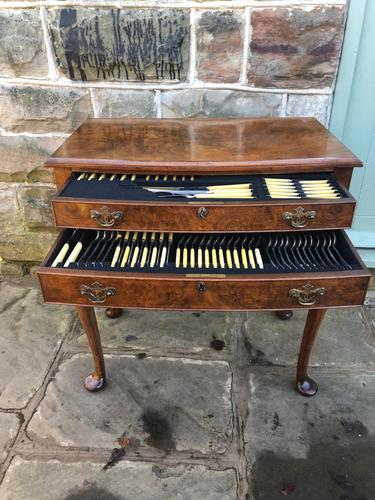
(269, 286)
(202, 292)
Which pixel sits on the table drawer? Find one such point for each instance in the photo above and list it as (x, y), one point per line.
(203, 292)
(235, 287)
(113, 204)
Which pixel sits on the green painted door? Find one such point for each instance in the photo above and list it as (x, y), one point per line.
(353, 118)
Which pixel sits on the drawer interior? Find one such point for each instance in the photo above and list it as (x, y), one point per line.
(202, 187)
(213, 253)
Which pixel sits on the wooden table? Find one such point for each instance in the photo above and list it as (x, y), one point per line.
(304, 260)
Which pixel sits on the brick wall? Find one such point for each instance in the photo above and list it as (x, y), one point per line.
(60, 64)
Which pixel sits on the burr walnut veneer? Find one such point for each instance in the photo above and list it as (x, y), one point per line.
(293, 250)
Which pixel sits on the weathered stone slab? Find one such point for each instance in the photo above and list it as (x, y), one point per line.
(126, 481)
(43, 109)
(35, 205)
(126, 103)
(30, 332)
(323, 447)
(167, 404)
(219, 45)
(20, 155)
(317, 106)
(343, 339)
(166, 332)
(296, 47)
(195, 102)
(22, 49)
(9, 425)
(10, 217)
(120, 44)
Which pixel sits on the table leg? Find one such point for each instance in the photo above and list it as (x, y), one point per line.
(95, 381)
(284, 314)
(305, 384)
(113, 312)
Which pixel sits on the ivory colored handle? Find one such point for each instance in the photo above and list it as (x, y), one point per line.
(221, 258)
(153, 256)
(244, 258)
(163, 256)
(214, 258)
(259, 258)
(192, 257)
(236, 259)
(125, 257)
(144, 256)
(75, 252)
(61, 255)
(184, 257)
(207, 258)
(200, 258)
(178, 257)
(135, 256)
(229, 258)
(116, 256)
(251, 258)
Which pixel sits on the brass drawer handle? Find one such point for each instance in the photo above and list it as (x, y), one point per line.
(202, 212)
(105, 218)
(201, 287)
(299, 218)
(97, 293)
(308, 295)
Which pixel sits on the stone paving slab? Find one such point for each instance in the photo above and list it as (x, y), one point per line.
(30, 333)
(164, 331)
(9, 425)
(343, 339)
(318, 448)
(165, 404)
(53, 480)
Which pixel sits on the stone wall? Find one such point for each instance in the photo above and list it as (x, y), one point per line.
(61, 62)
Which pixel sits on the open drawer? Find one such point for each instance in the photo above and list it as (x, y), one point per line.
(204, 271)
(220, 203)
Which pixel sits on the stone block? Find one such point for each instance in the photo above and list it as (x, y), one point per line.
(295, 47)
(317, 106)
(121, 44)
(162, 404)
(35, 205)
(166, 332)
(36, 479)
(20, 245)
(43, 109)
(10, 216)
(20, 155)
(9, 425)
(30, 333)
(22, 49)
(320, 448)
(218, 103)
(125, 103)
(219, 45)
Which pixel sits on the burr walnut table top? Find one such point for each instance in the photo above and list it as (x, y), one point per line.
(239, 144)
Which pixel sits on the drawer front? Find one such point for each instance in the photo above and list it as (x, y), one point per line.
(205, 217)
(202, 293)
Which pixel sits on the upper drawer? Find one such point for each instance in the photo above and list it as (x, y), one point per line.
(220, 203)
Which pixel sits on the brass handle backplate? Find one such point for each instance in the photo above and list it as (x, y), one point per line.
(105, 217)
(308, 295)
(300, 217)
(97, 293)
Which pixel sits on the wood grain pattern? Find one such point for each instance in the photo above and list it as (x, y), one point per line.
(182, 216)
(199, 145)
(178, 292)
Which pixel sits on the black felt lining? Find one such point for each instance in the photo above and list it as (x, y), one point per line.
(132, 190)
(260, 240)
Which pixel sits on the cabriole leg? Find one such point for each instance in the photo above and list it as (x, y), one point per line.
(95, 381)
(113, 312)
(284, 314)
(305, 384)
